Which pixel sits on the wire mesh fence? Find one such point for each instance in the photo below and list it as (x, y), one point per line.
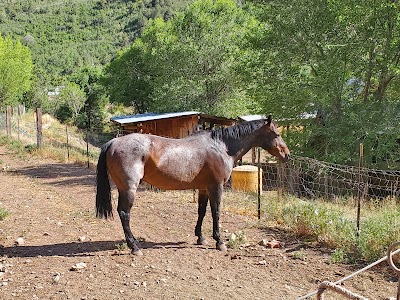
(312, 179)
(301, 176)
(63, 139)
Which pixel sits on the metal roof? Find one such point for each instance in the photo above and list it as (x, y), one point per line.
(303, 116)
(252, 117)
(151, 117)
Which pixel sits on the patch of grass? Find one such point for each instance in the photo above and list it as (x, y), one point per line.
(3, 214)
(53, 141)
(237, 239)
(299, 254)
(331, 223)
(122, 247)
(338, 256)
(14, 145)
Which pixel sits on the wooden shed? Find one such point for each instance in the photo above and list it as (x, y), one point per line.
(174, 125)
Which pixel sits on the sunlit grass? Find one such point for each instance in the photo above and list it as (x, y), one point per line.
(54, 141)
(330, 223)
(3, 214)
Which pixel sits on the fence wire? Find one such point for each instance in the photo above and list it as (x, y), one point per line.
(301, 176)
(310, 178)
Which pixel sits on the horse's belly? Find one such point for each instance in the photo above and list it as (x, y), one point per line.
(172, 183)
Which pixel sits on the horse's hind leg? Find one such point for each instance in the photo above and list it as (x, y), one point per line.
(202, 200)
(215, 195)
(125, 202)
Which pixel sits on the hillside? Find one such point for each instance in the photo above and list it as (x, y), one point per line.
(66, 35)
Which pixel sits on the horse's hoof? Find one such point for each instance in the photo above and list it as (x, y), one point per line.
(137, 252)
(202, 241)
(221, 247)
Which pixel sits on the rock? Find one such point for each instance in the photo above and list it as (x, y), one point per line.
(262, 262)
(270, 244)
(19, 241)
(82, 238)
(56, 277)
(78, 266)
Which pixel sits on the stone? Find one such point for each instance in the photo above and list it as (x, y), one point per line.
(20, 241)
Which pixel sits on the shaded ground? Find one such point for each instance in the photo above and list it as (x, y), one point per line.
(51, 207)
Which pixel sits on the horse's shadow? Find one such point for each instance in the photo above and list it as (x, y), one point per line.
(77, 249)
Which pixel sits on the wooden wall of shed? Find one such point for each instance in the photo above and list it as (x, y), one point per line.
(171, 127)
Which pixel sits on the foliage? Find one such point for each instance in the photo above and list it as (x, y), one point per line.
(338, 59)
(70, 101)
(329, 224)
(3, 214)
(54, 141)
(64, 38)
(15, 70)
(95, 104)
(190, 62)
(375, 125)
(237, 239)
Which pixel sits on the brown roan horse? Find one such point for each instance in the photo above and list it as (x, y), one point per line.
(202, 161)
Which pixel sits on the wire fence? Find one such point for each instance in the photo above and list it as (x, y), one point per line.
(301, 176)
(309, 178)
(43, 131)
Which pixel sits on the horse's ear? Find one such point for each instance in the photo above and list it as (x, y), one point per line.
(269, 119)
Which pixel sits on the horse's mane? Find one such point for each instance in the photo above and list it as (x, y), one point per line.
(236, 131)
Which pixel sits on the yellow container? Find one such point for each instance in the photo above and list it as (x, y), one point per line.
(244, 178)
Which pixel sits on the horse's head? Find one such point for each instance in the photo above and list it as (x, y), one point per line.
(273, 142)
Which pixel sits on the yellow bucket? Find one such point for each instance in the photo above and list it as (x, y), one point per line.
(244, 179)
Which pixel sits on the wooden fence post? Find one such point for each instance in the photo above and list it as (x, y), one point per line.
(66, 132)
(8, 120)
(359, 192)
(39, 127)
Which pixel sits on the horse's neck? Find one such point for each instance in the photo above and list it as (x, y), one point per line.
(238, 147)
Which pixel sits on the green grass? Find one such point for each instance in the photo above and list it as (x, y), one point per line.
(3, 214)
(237, 239)
(331, 224)
(53, 142)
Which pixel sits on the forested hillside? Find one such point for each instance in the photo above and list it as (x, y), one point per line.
(67, 35)
(335, 61)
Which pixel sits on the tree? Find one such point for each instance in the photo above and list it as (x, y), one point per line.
(128, 78)
(88, 80)
(190, 62)
(15, 70)
(72, 99)
(339, 59)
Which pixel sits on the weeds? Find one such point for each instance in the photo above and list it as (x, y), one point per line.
(330, 223)
(3, 214)
(237, 239)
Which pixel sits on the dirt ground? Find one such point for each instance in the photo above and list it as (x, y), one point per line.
(64, 252)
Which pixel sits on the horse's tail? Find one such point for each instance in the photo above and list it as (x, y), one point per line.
(103, 192)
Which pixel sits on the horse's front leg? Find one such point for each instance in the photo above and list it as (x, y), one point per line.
(202, 201)
(215, 195)
(125, 202)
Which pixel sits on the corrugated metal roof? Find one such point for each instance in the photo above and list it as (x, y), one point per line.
(151, 116)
